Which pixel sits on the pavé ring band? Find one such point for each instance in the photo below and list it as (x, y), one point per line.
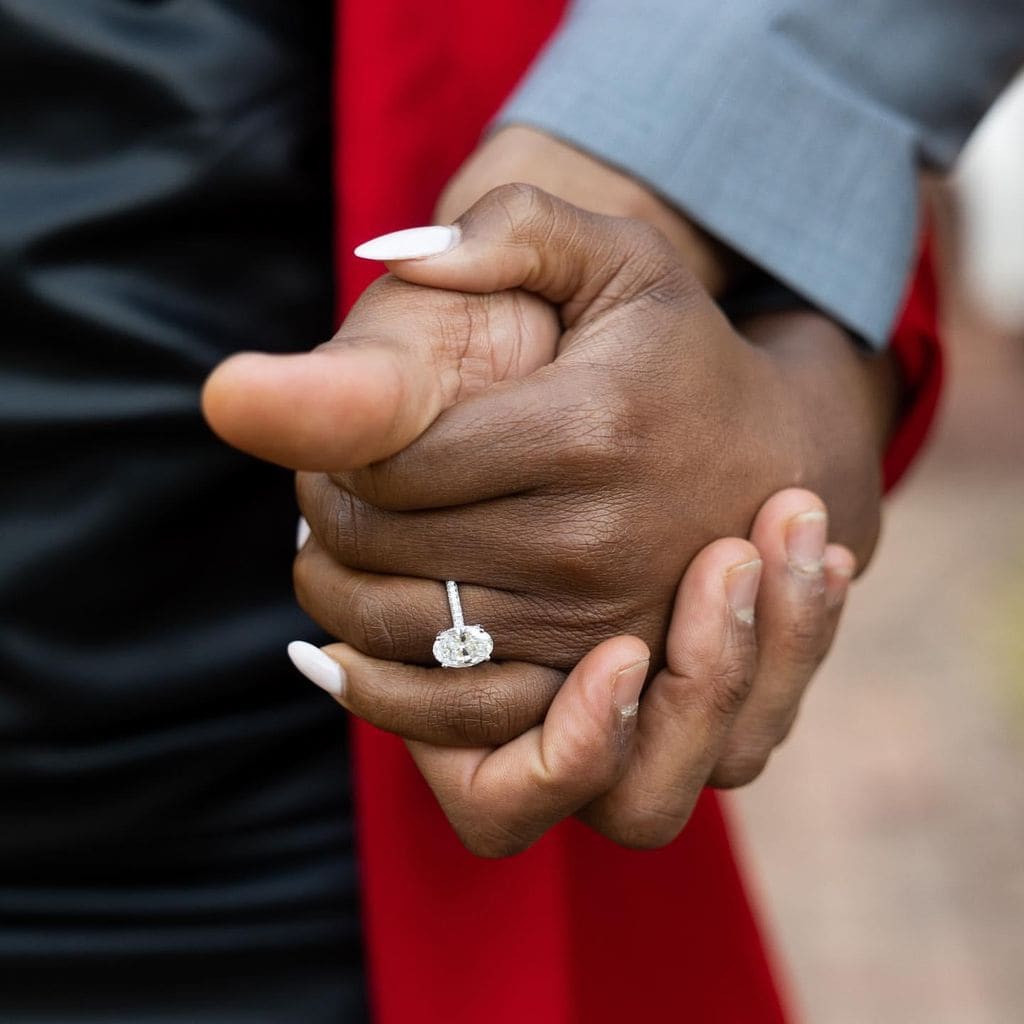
(461, 646)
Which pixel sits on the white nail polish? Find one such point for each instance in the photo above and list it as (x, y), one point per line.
(301, 533)
(318, 667)
(410, 244)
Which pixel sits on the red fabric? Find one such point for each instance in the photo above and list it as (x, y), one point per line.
(915, 343)
(576, 929)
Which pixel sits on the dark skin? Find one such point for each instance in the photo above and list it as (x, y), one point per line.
(657, 427)
(730, 688)
(598, 495)
(630, 769)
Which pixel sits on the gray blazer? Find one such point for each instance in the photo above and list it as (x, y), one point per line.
(793, 130)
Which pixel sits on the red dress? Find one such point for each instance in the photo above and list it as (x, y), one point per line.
(576, 929)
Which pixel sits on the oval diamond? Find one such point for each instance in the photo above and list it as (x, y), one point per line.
(462, 647)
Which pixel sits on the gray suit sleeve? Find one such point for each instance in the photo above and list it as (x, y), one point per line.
(792, 130)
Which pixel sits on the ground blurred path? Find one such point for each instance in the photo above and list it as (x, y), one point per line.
(887, 836)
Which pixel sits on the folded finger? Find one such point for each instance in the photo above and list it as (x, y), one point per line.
(689, 707)
(796, 623)
(481, 706)
(500, 801)
(536, 432)
(512, 543)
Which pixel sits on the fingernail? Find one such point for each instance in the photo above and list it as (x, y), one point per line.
(806, 534)
(318, 667)
(838, 581)
(410, 244)
(626, 687)
(302, 532)
(741, 583)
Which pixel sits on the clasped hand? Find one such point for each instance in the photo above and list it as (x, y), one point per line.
(553, 413)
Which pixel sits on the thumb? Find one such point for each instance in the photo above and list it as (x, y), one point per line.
(518, 236)
(403, 356)
(502, 800)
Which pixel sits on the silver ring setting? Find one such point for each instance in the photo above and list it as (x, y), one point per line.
(461, 646)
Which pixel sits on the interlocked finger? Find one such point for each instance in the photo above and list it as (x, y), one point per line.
(500, 801)
(535, 431)
(800, 600)
(522, 543)
(688, 708)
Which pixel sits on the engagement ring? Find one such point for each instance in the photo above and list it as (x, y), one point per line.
(462, 645)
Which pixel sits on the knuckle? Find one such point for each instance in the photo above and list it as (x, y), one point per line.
(584, 552)
(483, 846)
(647, 242)
(613, 429)
(667, 283)
(654, 264)
(524, 205)
(589, 437)
(729, 687)
(722, 676)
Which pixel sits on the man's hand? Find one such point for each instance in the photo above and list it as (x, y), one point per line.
(567, 501)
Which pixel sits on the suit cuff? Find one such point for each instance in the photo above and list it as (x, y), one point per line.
(808, 180)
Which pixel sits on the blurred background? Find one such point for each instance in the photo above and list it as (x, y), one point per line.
(886, 838)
